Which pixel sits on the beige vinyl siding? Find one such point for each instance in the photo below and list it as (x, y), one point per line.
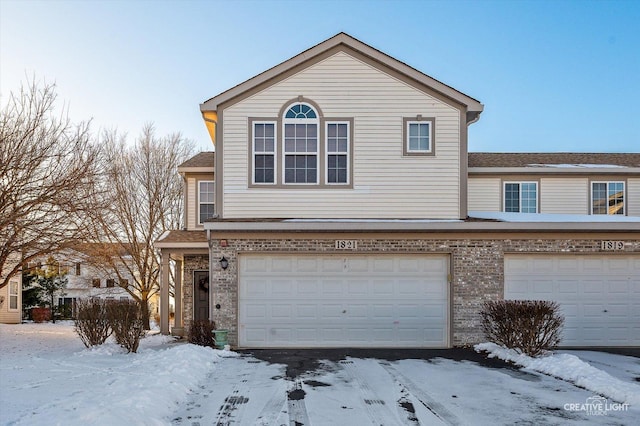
(633, 197)
(386, 184)
(485, 194)
(192, 199)
(564, 195)
(192, 203)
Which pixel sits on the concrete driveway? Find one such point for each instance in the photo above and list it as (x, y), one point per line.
(386, 387)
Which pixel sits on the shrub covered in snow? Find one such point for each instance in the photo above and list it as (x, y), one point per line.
(125, 319)
(91, 323)
(531, 327)
(201, 333)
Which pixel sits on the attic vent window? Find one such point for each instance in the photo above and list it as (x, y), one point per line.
(301, 111)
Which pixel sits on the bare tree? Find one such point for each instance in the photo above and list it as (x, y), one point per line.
(143, 196)
(47, 176)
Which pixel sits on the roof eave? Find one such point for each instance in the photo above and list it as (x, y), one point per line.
(417, 226)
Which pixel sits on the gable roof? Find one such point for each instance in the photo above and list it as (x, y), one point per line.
(567, 159)
(347, 43)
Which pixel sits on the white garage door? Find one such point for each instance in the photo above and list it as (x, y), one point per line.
(343, 301)
(599, 295)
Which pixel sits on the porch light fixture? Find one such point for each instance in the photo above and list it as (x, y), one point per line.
(224, 263)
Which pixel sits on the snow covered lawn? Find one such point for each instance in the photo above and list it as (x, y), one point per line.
(48, 377)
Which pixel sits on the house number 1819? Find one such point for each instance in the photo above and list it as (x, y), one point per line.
(612, 245)
(346, 244)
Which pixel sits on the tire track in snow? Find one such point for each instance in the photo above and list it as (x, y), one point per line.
(272, 410)
(376, 409)
(298, 415)
(232, 410)
(406, 384)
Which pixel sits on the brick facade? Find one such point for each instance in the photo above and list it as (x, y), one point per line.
(191, 264)
(477, 270)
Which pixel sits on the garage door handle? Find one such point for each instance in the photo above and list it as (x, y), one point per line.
(605, 311)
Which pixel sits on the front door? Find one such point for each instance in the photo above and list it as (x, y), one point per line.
(201, 295)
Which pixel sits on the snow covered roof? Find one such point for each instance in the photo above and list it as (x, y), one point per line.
(557, 160)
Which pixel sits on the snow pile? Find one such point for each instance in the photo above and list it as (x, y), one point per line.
(553, 217)
(570, 368)
(61, 382)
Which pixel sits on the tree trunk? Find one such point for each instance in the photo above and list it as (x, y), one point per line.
(144, 309)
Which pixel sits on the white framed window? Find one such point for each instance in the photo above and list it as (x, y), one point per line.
(14, 295)
(264, 152)
(337, 152)
(521, 197)
(418, 136)
(607, 198)
(206, 200)
(301, 148)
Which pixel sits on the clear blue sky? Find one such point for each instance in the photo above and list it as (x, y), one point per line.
(553, 75)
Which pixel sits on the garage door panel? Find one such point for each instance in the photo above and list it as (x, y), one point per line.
(599, 295)
(349, 301)
(306, 311)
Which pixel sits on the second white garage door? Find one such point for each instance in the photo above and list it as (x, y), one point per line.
(598, 295)
(343, 301)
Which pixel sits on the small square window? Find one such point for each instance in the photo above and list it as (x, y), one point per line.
(418, 136)
(521, 197)
(607, 198)
(96, 282)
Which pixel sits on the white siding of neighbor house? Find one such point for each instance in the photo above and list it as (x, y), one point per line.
(565, 195)
(7, 315)
(633, 197)
(484, 194)
(386, 184)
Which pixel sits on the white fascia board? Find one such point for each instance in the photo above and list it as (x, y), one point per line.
(196, 169)
(183, 245)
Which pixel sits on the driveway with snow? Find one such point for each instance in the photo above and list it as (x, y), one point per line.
(47, 377)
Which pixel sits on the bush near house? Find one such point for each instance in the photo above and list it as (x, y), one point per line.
(97, 319)
(201, 333)
(91, 323)
(125, 319)
(531, 327)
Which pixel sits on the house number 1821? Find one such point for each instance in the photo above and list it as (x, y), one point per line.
(346, 244)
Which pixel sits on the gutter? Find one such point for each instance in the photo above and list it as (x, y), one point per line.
(423, 226)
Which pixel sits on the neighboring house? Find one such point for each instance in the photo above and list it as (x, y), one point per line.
(85, 279)
(345, 211)
(11, 295)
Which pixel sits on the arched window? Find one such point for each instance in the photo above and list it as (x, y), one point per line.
(301, 147)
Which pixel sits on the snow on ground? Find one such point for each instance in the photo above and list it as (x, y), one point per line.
(571, 368)
(48, 377)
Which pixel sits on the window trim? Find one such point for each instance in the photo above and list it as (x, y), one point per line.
(13, 295)
(253, 152)
(198, 182)
(419, 119)
(520, 182)
(327, 153)
(279, 149)
(317, 153)
(608, 182)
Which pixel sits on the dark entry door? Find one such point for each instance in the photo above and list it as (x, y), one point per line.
(201, 295)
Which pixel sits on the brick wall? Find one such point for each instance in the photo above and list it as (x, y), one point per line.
(191, 264)
(477, 268)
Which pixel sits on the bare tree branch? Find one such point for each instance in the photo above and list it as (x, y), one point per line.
(142, 198)
(48, 167)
